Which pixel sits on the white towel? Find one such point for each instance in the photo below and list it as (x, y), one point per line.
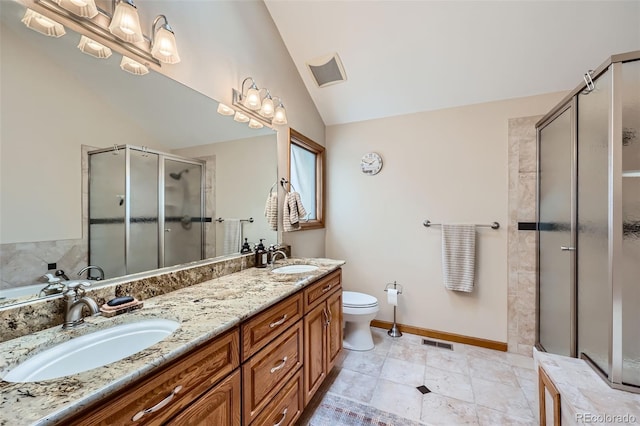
(271, 211)
(232, 236)
(292, 212)
(458, 256)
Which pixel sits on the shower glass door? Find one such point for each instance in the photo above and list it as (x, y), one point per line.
(183, 212)
(594, 290)
(556, 287)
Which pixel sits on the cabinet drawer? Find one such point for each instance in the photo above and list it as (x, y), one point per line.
(259, 330)
(320, 290)
(286, 407)
(219, 406)
(266, 372)
(177, 386)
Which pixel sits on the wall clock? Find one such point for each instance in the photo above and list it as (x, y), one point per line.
(371, 163)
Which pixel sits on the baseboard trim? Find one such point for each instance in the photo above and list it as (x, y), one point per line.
(441, 335)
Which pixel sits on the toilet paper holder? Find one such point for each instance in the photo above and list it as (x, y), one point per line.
(394, 331)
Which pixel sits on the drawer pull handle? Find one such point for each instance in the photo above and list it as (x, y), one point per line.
(279, 366)
(326, 317)
(284, 416)
(326, 289)
(330, 315)
(158, 406)
(280, 321)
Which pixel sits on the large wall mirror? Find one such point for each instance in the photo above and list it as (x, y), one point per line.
(58, 104)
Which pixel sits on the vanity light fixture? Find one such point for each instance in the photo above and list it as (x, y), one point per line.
(258, 103)
(82, 8)
(163, 42)
(93, 48)
(280, 114)
(125, 23)
(255, 124)
(42, 24)
(240, 117)
(133, 67)
(266, 110)
(225, 110)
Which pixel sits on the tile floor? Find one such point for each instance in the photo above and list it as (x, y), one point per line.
(469, 385)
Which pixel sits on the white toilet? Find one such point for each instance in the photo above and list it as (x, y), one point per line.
(358, 310)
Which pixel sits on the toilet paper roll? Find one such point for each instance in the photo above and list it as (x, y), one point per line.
(392, 296)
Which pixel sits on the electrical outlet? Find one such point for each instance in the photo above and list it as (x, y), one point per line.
(51, 266)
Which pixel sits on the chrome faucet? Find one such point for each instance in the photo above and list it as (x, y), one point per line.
(76, 300)
(89, 276)
(274, 255)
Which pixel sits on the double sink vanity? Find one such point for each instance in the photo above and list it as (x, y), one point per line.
(250, 347)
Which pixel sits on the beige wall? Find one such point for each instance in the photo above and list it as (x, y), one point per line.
(446, 166)
(244, 174)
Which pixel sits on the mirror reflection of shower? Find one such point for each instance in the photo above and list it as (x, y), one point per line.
(157, 219)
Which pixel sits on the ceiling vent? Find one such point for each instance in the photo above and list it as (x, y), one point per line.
(327, 70)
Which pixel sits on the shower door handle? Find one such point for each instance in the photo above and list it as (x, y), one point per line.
(167, 230)
(564, 248)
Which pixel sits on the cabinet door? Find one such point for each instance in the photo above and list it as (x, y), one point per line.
(220, 406)
(315, 350)
(334, 335)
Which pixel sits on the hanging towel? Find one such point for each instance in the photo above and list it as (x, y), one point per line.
(458, 256)
(271, 210)
(293, 211)
(232, 236)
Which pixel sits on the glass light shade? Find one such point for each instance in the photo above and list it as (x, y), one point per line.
(266, 110)
(252, 100)
(240, 117)
(164, 46)
(42, 24)
(224, 110)
(84, 8)
(93, 48)
(255, 124)
(280, 115)
(133, 67)
(125, 23)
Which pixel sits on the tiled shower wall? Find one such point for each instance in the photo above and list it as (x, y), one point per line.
(522, 245)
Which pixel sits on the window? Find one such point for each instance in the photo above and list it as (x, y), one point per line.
(306, 174)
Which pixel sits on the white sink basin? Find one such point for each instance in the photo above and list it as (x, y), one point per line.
(92, 350)
(294, 269)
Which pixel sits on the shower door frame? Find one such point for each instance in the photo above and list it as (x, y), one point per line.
(615, 220)
(162, 156)
(570, 105)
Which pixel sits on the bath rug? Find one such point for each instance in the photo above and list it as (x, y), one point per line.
(334, 410)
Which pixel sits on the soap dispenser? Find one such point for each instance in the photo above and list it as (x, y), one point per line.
(261, 255)
(245, 247)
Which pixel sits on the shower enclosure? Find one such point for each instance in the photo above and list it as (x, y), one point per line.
(589, 223)
(146, 209)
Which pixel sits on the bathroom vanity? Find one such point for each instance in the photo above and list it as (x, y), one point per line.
(253, 348)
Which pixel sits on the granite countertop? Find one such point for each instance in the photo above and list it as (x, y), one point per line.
(203, 310)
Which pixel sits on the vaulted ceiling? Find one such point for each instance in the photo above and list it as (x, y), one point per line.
(402, 57)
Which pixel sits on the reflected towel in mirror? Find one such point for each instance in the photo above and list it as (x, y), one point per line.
(232, 236)
(271, 210)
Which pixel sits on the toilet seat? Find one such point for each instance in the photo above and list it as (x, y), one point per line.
(353, 299)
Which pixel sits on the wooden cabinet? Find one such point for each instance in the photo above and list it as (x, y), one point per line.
(322, 332)
(262, 328)
(218, 406)
(286, 407)
(266, 373)
(164, 394)
(286, 352)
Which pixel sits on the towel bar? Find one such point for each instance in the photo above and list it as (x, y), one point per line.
(250, 220)
(494, 225)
